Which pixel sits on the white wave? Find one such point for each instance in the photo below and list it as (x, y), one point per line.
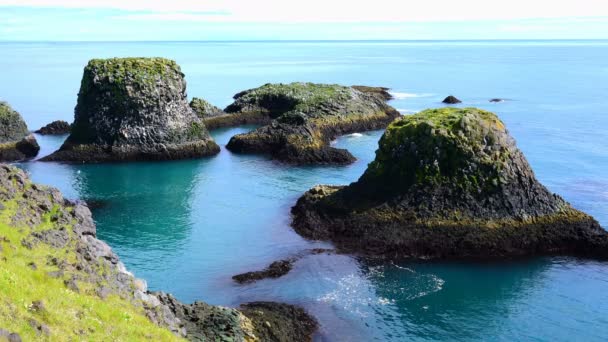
(403, 96)
(355, 135)
(406, 111)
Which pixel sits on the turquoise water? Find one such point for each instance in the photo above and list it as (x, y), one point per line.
(188, 226)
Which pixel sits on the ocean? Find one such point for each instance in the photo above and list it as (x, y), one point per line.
(188, 226)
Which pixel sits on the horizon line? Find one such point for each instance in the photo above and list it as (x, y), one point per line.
(306, 40)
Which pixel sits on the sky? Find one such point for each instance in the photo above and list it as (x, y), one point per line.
(117, 20)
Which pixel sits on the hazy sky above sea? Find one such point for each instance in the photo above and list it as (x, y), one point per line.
(86, 20)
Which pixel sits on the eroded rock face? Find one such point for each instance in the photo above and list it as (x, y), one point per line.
(305, 117)
(134, 109)
(58, 127)
(448, 183)
(16, 142)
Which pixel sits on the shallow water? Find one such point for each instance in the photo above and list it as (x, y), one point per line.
(188, 226)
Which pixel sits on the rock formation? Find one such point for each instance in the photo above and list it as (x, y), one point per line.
(16, 142)
(134, 109)
(448, 183)
(58, 127)
(64, 283)
(305, 117)
(451, 100)
(204, 109)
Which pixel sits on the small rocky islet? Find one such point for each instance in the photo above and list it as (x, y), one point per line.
(58, 127)
(134, 109)
(304, 118)
(16, 142)
(448, 183)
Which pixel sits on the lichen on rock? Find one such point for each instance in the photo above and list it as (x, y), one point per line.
(448, 182)
(305, 117)
(16, 142)
(204, 109)
(134, 109)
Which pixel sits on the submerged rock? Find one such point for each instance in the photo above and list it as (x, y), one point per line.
(448, 183)
(205, 109)
(134, 109)
(58, 127)
(304, 118)
(451, 100)
(497, 100)
(54, 240)
(16, 142)
(275, 270)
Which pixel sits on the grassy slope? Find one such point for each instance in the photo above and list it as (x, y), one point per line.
(68, 315)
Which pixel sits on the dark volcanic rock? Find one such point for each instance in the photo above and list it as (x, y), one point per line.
(497, 100)
(451, 100)
(279, 322)
(305, 118)
(134, 109)
(205, 109)
(275, 270)
(448, 183)
(58, 127)
(16, 142)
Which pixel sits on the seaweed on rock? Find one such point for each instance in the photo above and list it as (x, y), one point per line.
(448, 183)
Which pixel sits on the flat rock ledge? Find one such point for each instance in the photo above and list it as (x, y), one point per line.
(66, 231)
(448, 183)
(305, 117)
(132, 109)
(16, 142)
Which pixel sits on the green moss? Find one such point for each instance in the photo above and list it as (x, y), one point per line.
(69, 315)
(142, 70)
(442, 146)
(12, 126)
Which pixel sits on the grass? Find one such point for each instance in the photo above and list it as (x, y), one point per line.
(69, 315)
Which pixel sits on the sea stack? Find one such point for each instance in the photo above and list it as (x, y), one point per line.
(16, 142)
(134, 109)
(448, 183)
(304, 118)
(451, 100)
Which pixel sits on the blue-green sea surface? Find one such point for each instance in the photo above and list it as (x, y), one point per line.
(188, 226)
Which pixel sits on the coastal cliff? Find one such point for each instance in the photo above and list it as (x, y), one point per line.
(303, 118)
(448, 183)
(59, 282)
(16, 142)
(134, 109)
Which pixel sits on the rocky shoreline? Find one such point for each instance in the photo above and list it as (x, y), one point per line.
(448, 183)
(43, 223)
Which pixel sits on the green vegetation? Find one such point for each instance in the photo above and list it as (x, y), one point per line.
(140, 70)
(39, 306)
(465, 147)
(12, 126)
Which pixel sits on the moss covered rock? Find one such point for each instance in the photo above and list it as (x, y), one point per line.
(448, 183)
(59, 282)
(204, 109)
(16, 142)
(134, 109)
(305, 117)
